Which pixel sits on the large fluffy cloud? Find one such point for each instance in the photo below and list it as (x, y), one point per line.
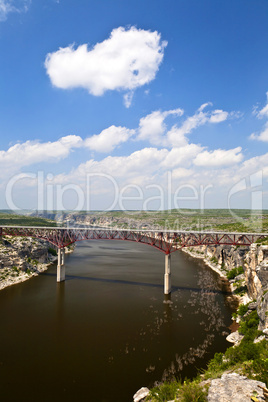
(128, 59)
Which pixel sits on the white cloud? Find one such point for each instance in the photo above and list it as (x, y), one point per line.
(180, 173)
(264, 111)
(217, 116)
(128, 59)
(108, 139)
(152, 126)
(219, 157)
(128, 98)
(263, 136)
(143, 162)
(12, 6)
(154, 129)
(176, 138)
(31, 152)
(182, 156)
(200, 118)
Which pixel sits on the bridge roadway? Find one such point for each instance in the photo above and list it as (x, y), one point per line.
(166, 241)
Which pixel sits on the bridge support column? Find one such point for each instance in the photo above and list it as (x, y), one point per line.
(61, 266)
(167, 276)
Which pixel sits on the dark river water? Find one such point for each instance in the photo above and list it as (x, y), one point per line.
(107, 330)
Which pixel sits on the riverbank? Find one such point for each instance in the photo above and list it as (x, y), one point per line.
(22, 258)
(241, 372)
(246, 270)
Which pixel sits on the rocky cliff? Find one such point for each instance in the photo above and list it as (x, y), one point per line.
(247, 270)
(21, 258)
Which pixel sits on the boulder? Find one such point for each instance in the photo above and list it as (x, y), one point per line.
(234, 337)
(141, 394)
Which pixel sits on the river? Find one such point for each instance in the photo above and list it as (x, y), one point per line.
(108, 330)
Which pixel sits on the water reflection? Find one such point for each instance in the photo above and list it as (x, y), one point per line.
(109, 325)
(60, 303)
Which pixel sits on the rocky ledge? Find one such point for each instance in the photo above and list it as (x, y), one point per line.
(234, 387)
(246, 269)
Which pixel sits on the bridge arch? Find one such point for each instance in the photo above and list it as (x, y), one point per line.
(165, 241)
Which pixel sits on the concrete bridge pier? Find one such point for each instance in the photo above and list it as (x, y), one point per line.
(167, 276)
(61, 266)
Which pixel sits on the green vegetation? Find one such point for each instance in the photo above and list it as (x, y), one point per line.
(242, 310)
(184, 392)
(263, 241)
(234, 272)
(214, 260)
(240, 290)
(247, 358)
(183, 219)
(164, 392)
(52, 251)
(11, 219)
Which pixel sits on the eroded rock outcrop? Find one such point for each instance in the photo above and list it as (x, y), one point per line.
(20, 258)
(234, 387)
(253, 261)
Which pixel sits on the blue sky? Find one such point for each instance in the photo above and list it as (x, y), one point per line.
(161, 102)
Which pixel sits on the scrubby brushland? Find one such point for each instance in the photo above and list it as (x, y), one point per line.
(183, 219)
(12, 219)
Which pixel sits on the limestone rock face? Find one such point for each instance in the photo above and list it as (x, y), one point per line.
(141, 394)
(254, 260)
(256, 274)
(262, 311)
(233, 387)
(17, 251)
(253, 282)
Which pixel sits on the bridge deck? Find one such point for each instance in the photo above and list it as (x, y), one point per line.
(165, 240)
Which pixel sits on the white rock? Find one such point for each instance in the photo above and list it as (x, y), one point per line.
(140, 394)
(259, 339)
(234, 337)
(233, 387)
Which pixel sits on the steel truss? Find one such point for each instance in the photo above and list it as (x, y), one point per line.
(165, 241)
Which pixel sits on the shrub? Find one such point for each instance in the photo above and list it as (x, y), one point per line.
(243, 308)
(234, 272)
(52, 251)
(243, 352)
(192, 392)
(241, 290)
(214, 260)
(249, 323)
(164, 392)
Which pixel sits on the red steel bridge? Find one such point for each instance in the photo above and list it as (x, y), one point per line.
(166, 241)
